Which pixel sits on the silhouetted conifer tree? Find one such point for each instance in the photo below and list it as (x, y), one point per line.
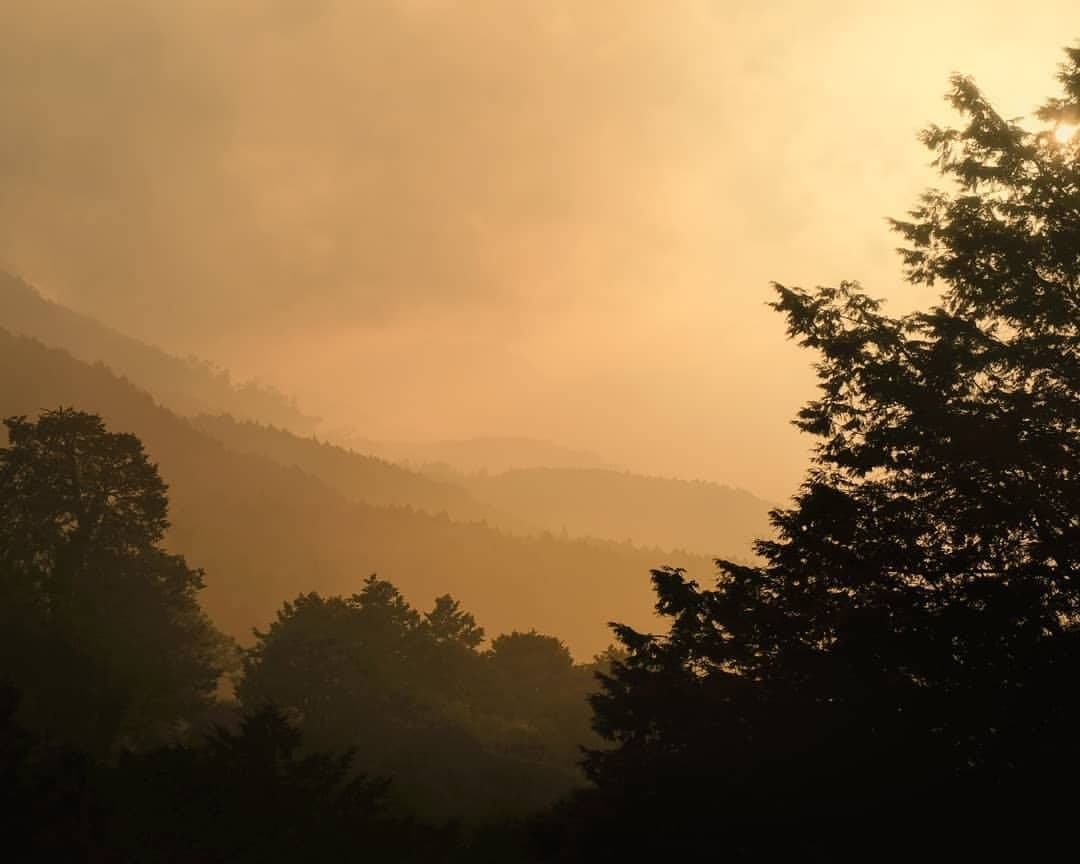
(907, 656)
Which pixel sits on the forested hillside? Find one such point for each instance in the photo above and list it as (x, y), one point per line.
(492, 455)
(519, 485)
(407, 714)
(264, 531)
(701, 517)
(188, 386)
(358, 476)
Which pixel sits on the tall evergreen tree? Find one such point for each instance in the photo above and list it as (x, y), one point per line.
(912, 632)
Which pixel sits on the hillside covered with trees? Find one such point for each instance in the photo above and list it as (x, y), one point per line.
(489, 454)
(668, 513)
(655, 512)
(520, 486)
(355, 475)
(187, 385)
(96, 610)
(264, 531)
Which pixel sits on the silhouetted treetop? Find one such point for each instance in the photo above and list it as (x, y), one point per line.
(916, 617)
(448, 622)
(71, 485)
(265, 531)
(101, 628)
(532, 656)
(187, 385)
(465, 733)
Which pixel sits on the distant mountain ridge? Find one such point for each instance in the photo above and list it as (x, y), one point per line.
(187, 386)
(493, 455)
(515, 484)
(265, 532)
(697, 516)
(356, 475)
(652, 512)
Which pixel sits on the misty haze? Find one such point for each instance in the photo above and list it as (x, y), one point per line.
(539, 430)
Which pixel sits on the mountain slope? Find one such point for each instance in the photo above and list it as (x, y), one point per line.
(360, 477)
(265, 532)
(187, 386)
(492, 454)
(701, 517)
(705, 518)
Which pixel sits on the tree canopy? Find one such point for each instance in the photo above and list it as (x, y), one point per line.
(96, 613)
(912, 632)
(466, 733)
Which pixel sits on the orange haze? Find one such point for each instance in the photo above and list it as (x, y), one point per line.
(550, 218)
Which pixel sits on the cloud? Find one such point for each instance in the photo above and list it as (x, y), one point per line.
(435, 218)
(209, 165)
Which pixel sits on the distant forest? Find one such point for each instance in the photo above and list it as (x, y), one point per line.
(473, 731)
(264, 530)
(660, 513)
(187, 385)
(266, 510)
(518, 485)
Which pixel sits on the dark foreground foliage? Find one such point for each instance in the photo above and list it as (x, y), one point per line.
(468, 735)
(901, 673)
(115, 745)
(249, 795)
(101, 626)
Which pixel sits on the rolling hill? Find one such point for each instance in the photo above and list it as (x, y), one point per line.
(188, 386)
(265, 532)
(473, 455)
(358, 476)
(703, 518)
(520, 485)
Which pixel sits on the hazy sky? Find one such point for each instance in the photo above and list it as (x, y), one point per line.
(554, 218)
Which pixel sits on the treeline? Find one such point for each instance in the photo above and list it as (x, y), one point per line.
(666, 513)
(478, 455)
(116, 735)
(467, 734)
(357, 476)
(661, 513)
(266, 531)
(517, 485)
(187, 385)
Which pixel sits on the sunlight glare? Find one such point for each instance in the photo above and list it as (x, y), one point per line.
(1065, 132)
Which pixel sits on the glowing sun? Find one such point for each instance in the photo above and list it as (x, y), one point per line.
(1065, 132)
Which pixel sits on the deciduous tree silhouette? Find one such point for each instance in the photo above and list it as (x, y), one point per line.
(910, 644)
(101, 629)
(447, 622)
(465, 734)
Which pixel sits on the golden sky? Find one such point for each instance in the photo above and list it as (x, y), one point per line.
(554, 218)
